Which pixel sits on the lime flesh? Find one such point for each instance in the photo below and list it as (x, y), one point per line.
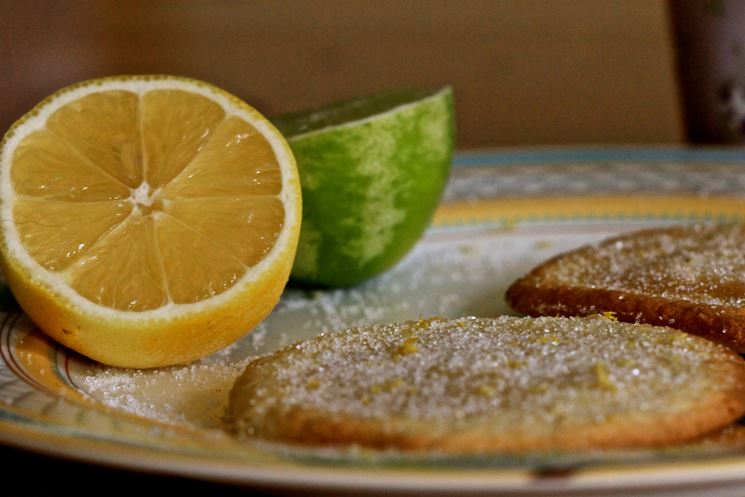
(372, 172)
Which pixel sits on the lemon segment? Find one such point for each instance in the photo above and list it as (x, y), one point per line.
(176, 125)
(104, 128)
(255, 222)
(221, 167)
(122, 270)
(37, 172)
(57, 233)
(180, 247)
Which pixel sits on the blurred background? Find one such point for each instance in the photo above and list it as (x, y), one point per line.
(525, 72)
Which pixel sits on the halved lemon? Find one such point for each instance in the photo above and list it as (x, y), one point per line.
(147, 220)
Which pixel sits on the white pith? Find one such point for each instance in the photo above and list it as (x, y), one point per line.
(36, 120)
(142, 195)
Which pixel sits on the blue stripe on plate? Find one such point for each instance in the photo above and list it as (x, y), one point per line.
(559, 155)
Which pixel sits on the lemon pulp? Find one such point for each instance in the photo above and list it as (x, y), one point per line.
(150, 193)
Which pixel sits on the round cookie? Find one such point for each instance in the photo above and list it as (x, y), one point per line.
(689, 277)
(505, 384)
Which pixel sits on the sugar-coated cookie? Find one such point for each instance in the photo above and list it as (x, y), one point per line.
(506, 384)
(688, 277)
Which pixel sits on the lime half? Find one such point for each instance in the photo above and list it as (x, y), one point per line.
(372, 172)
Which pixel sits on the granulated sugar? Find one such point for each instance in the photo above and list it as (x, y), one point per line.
(702, 264)
(194, 394)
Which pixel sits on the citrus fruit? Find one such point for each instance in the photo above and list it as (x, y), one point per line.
(146, 220)
(372, 171)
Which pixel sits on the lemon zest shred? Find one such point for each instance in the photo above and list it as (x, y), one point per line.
(602, 377)
(610, 315)
(408, 346)
(485, 391)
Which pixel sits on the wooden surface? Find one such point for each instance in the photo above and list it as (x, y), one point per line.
(525, 72)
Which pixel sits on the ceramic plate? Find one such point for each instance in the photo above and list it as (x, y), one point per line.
(503, 212)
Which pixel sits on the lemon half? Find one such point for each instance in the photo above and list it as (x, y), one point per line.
(147, 220)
